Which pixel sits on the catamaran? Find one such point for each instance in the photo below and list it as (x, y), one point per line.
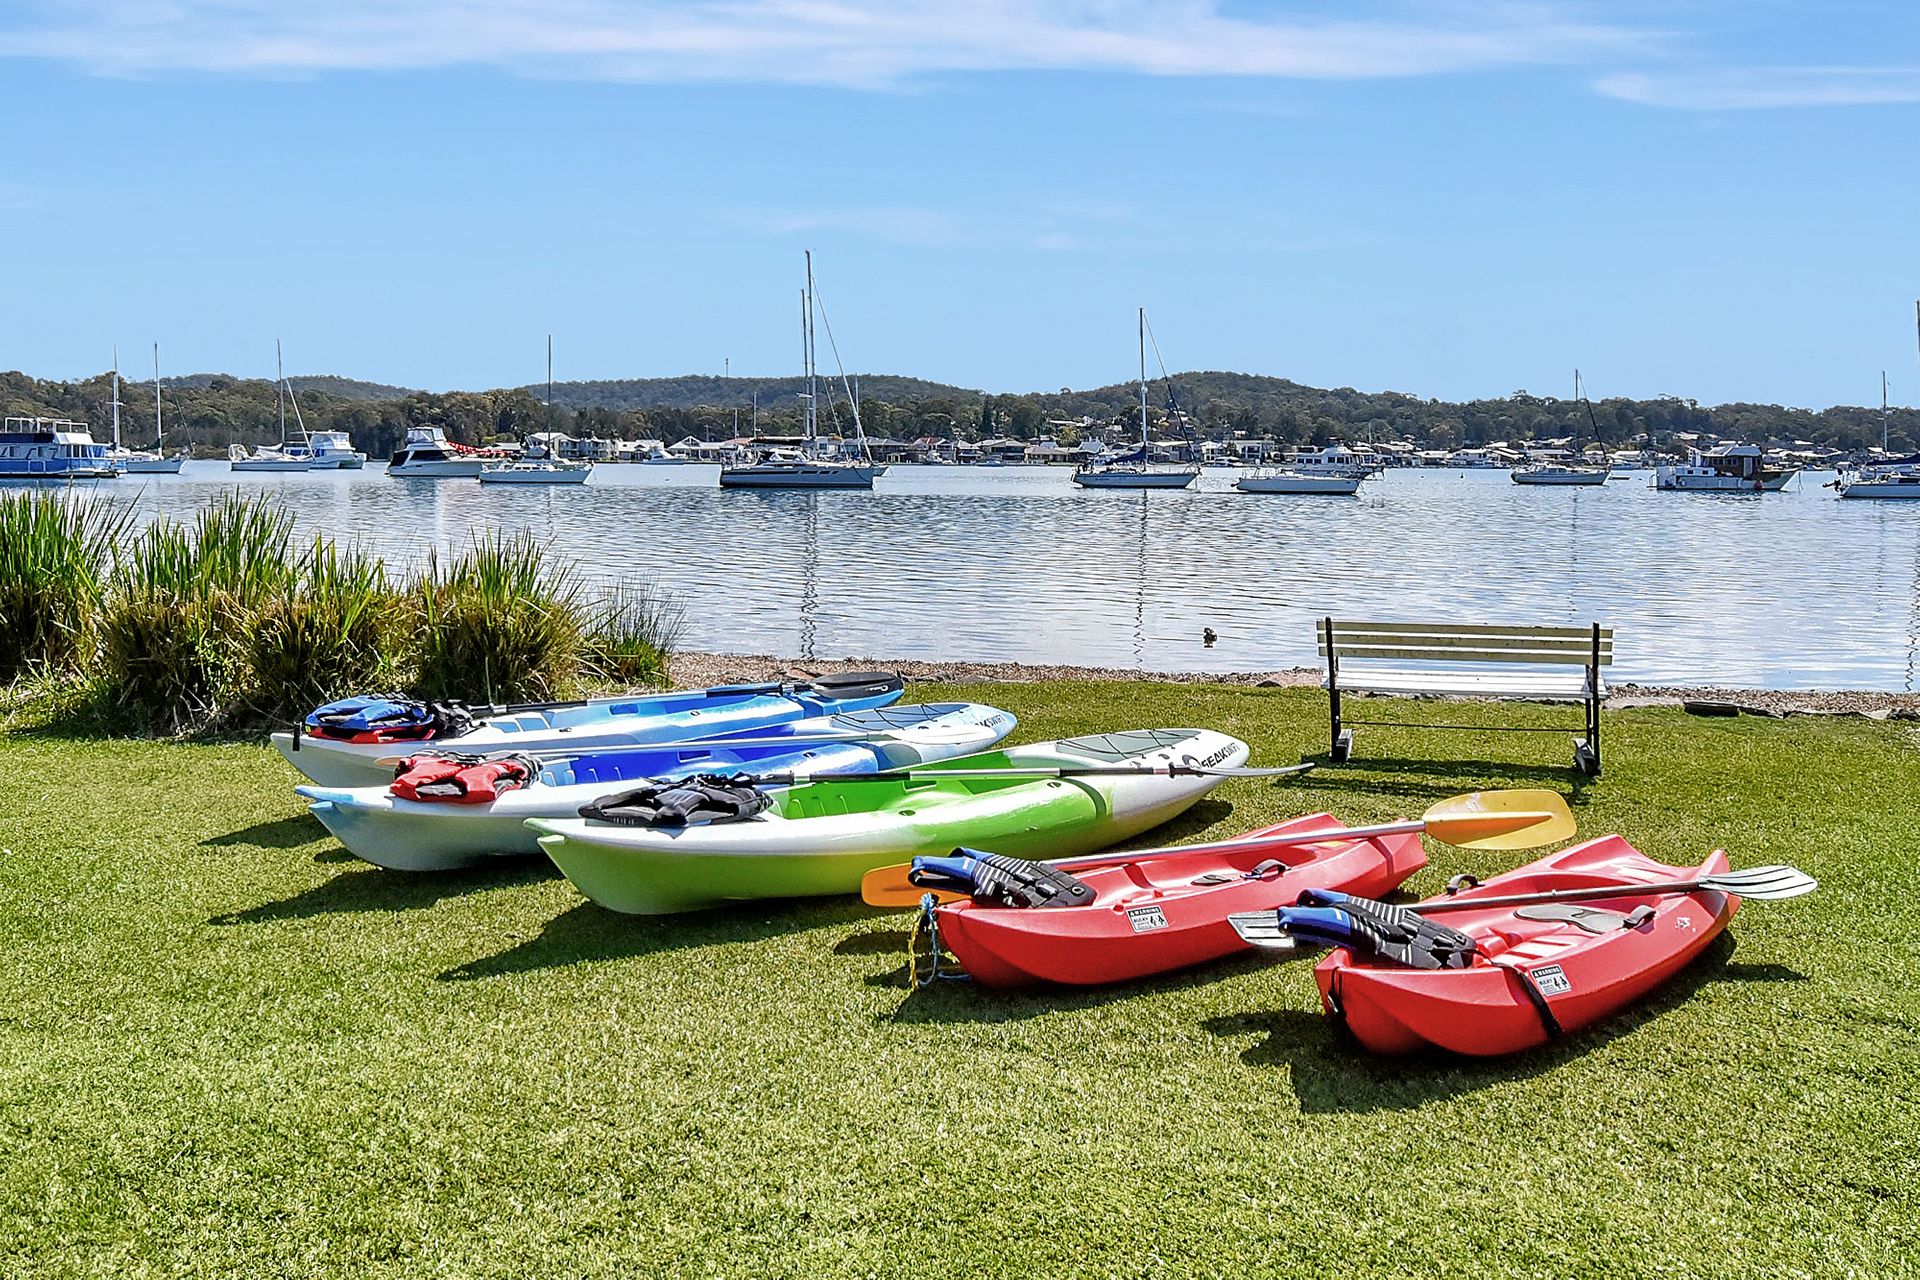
(808, 467)
(1136, 470)
(143, 462)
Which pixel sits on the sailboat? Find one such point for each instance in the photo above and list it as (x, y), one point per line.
(807, 467)
(1888, 477)
(283, 456)
(1134, 470)
(144, 462)
(542, 467)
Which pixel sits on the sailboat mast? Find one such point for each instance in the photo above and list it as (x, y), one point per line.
(806, 327)
(1884, 411)
(159, 427)
(1143, 387)
(280, 391)
(550, 392)
(116, 399)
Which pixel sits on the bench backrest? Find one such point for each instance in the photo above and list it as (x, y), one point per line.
(1458, 642)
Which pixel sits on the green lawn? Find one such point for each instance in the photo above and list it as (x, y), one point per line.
(227, 1048)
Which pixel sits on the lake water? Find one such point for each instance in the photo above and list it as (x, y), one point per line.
(1795, 590)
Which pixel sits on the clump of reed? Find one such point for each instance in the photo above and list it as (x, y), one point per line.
(223, 622)
(501, 623)
(55, 554)
(631, 631)
(329, 632)
(177, 621)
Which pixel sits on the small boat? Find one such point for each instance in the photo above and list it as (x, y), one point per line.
(1727, 468)
(344, 750)
(282, 456)
(431, 835)
(144, 462)
(53, 449)
(806, 467)
(334, 451)
(1136, 470)
(1889, 480)
(1332, 460)
(1559, 473)
(1290, 481)
(821, 837)
(536, 471)
(1168, 912)
(427, 453)
(1537, 971)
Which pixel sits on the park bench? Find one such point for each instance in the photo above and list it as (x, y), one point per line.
(1537, 664)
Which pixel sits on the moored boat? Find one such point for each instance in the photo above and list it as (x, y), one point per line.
(143, 462)
(414, 834)
(1727, 468)
(536, 471)
(343, 744)
(1148, 916)
(1558, 473)
(1291, 481)
(426, 453)
(1900, 479)
(1136, 470)
(1535, 972)
(43, 449)
(821, 837)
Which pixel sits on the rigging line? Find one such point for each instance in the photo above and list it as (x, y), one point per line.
(859, 431)
(1173, 401)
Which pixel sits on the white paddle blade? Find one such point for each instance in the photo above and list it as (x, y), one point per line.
(1763, 884)
(1262, 929)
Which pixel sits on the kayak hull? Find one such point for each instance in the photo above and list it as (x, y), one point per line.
(1581, 977)
(413, 835)
(1149, 916)
(603, 724)
(821, 838)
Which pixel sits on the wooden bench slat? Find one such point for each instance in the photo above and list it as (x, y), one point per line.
(1569, 644)
(1548, 657)
(1465, 682)
(1345, 626)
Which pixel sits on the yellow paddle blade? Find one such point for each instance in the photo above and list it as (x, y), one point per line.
(889, 887)
(1501, 820)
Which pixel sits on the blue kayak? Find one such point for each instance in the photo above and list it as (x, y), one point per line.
(340, 756)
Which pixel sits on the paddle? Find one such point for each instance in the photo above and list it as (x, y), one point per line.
(1757, 884)
(1034, 771)
(1479, 820)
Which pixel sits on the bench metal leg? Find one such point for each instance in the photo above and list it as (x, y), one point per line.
(1341, 742)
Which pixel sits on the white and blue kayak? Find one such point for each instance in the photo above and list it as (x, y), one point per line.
(328, 754)
(432, 835)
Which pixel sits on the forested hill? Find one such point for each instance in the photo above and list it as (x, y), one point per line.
(211, 411)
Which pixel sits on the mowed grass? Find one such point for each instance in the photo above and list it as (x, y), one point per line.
(227, 1048)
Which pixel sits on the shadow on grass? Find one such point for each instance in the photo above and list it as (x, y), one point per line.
(591, 932)
(1445, 777)
(376, 889)
(968, 1002)
(280, 833)
(1331, 1072)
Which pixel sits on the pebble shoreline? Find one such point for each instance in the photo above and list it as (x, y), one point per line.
(692, 670)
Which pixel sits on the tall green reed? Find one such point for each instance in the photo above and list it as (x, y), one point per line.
(500, 623)
(55, 554)
(630, 633)
(328, 633)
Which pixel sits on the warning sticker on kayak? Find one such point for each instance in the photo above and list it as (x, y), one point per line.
(1551, 979)
(1144, 919)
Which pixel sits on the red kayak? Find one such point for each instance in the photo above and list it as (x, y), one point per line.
(1538, 971)
(1168, 911)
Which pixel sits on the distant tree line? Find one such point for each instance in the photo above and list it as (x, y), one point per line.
(209, 412)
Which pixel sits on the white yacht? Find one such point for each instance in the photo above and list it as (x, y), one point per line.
(1559, 473)
(1888, 477)
(144, 462)
(1136, 470)
(332, 450)
(282, 456)
(427, 452)
(536, 471)
(1727, 468)
(1331, 460)
(1285, 480)
(808, 467)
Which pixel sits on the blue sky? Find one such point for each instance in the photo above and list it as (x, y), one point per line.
(1452, 198)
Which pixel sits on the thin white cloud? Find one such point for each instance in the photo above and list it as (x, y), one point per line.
(1757, 88)
(862, 43)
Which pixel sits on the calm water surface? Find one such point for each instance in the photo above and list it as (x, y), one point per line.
(1796, 590)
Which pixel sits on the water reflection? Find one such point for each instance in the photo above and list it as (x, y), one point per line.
(1013, 563)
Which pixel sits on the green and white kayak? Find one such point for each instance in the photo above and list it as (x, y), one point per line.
(821, 837)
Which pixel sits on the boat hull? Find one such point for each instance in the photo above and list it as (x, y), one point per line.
(443, 469)
(1338, 485)
(1560, 478)
(558, 475)
(411, 835)
(1879, 489)
(153, 466)
(1134, 479)
(821, 838)
(1151, 916)
(801, 476)
(1485, 1010)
